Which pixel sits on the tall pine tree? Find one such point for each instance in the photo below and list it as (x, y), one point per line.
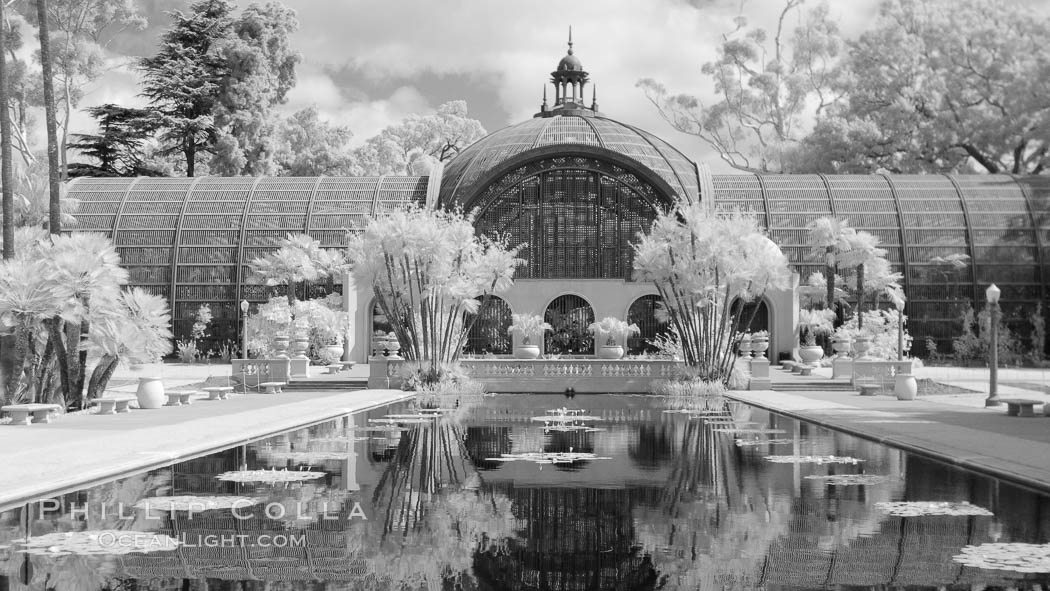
(184, 79)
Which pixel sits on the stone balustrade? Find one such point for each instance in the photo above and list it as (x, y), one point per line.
(252, 372)
(546, 375)
(879, 371)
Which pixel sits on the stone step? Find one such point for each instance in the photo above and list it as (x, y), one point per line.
(327, 385)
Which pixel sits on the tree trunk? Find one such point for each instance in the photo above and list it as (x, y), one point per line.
(55, 203)
(7, 179)
(829, 274)
(64, 140)
(54, 328)
(100, 376)
(860, 297)
(21, 343)
(191, 155)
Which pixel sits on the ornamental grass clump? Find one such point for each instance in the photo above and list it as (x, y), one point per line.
(432, 276)
(702, 263)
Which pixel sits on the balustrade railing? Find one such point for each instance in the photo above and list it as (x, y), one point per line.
(252, 372)
(546, 375)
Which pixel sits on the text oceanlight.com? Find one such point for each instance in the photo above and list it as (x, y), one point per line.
(148, 541)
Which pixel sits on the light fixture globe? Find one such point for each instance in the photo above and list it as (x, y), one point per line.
(992, 293)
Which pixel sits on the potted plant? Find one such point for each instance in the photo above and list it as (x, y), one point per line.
(611, 332)
(530, 327)
(810, 324)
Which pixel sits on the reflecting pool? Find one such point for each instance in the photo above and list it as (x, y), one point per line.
(539, 492)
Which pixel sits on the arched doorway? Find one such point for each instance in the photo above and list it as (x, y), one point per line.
(643, 313)
(759, 320)
(569, 317)
(488, 334)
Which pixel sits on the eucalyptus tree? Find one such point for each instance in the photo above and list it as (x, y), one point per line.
(53, 173)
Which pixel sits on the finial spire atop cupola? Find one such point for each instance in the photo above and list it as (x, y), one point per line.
(569, 81)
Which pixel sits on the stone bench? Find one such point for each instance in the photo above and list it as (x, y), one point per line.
(334, 368)
(20, 412)
(1020, 407)
(218, 392)
(347, 364)
(111, 406)
(179, 398)
(272, 387)
(807, 370)
(868, 388)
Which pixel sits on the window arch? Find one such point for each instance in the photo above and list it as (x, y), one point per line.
(569, 317)
(488, 334)
(643, 313)
(576, 217)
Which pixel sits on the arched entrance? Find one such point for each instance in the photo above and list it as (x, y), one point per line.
(759, 320)
(643, 313)
(488, 334)
(569, 317)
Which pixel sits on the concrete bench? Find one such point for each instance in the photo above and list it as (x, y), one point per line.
(1020, 407)
(111, 406)
(218, 392)
(334, 368)
(807, 370)
(272, 387)
(347, 364)
(179, 398)
(787, 365)
(868, 388)
(20, 412)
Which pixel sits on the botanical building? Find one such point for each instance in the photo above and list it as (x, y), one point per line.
(574, 187)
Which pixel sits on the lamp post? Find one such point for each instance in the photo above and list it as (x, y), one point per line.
(900, 330)
(992, 294)
(244, 328)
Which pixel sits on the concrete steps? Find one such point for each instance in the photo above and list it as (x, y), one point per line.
(813, 386)
(328, 385)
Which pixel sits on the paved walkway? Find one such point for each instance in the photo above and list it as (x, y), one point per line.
(79, 450)
(955, 428)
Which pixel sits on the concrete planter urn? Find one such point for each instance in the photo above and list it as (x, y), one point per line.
(905, 386)
(526, 350)
(280, 346)
(610, 350)
(150, 393)
(745, 347)
(861, 345)
(759, 345)
(811, 354)
(841, 345)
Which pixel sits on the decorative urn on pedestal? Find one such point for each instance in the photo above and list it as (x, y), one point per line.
(841, 344)
(745, 346)
(280, 346)
(612, 331)
(861, 345)
(529, 328)
(759, 345)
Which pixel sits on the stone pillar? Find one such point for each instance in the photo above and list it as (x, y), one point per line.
(377, 373)
(760, 374)
(842, 367)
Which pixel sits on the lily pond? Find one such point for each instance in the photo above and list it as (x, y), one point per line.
(539, 492)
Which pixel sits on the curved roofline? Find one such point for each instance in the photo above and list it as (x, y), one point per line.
(637, 168)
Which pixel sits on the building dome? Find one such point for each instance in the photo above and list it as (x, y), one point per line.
(591, 136)
(570, 62)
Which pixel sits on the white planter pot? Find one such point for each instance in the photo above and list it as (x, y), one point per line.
(811, 354)
(610, 352)
(527, 352)
(150, 393)
(905, 386)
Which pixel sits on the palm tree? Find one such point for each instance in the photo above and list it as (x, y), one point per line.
(136, 327)
(830, 240)
(27, 298)
(84, 267)
(864, 251)
(53, 176)
(298, 258)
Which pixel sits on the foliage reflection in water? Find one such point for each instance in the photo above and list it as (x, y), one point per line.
(677, 501)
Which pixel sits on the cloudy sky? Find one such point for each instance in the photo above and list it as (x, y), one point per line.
(368, 63)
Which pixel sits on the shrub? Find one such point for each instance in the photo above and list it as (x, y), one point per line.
(880, 326)
(187, 351)
(976, 340)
